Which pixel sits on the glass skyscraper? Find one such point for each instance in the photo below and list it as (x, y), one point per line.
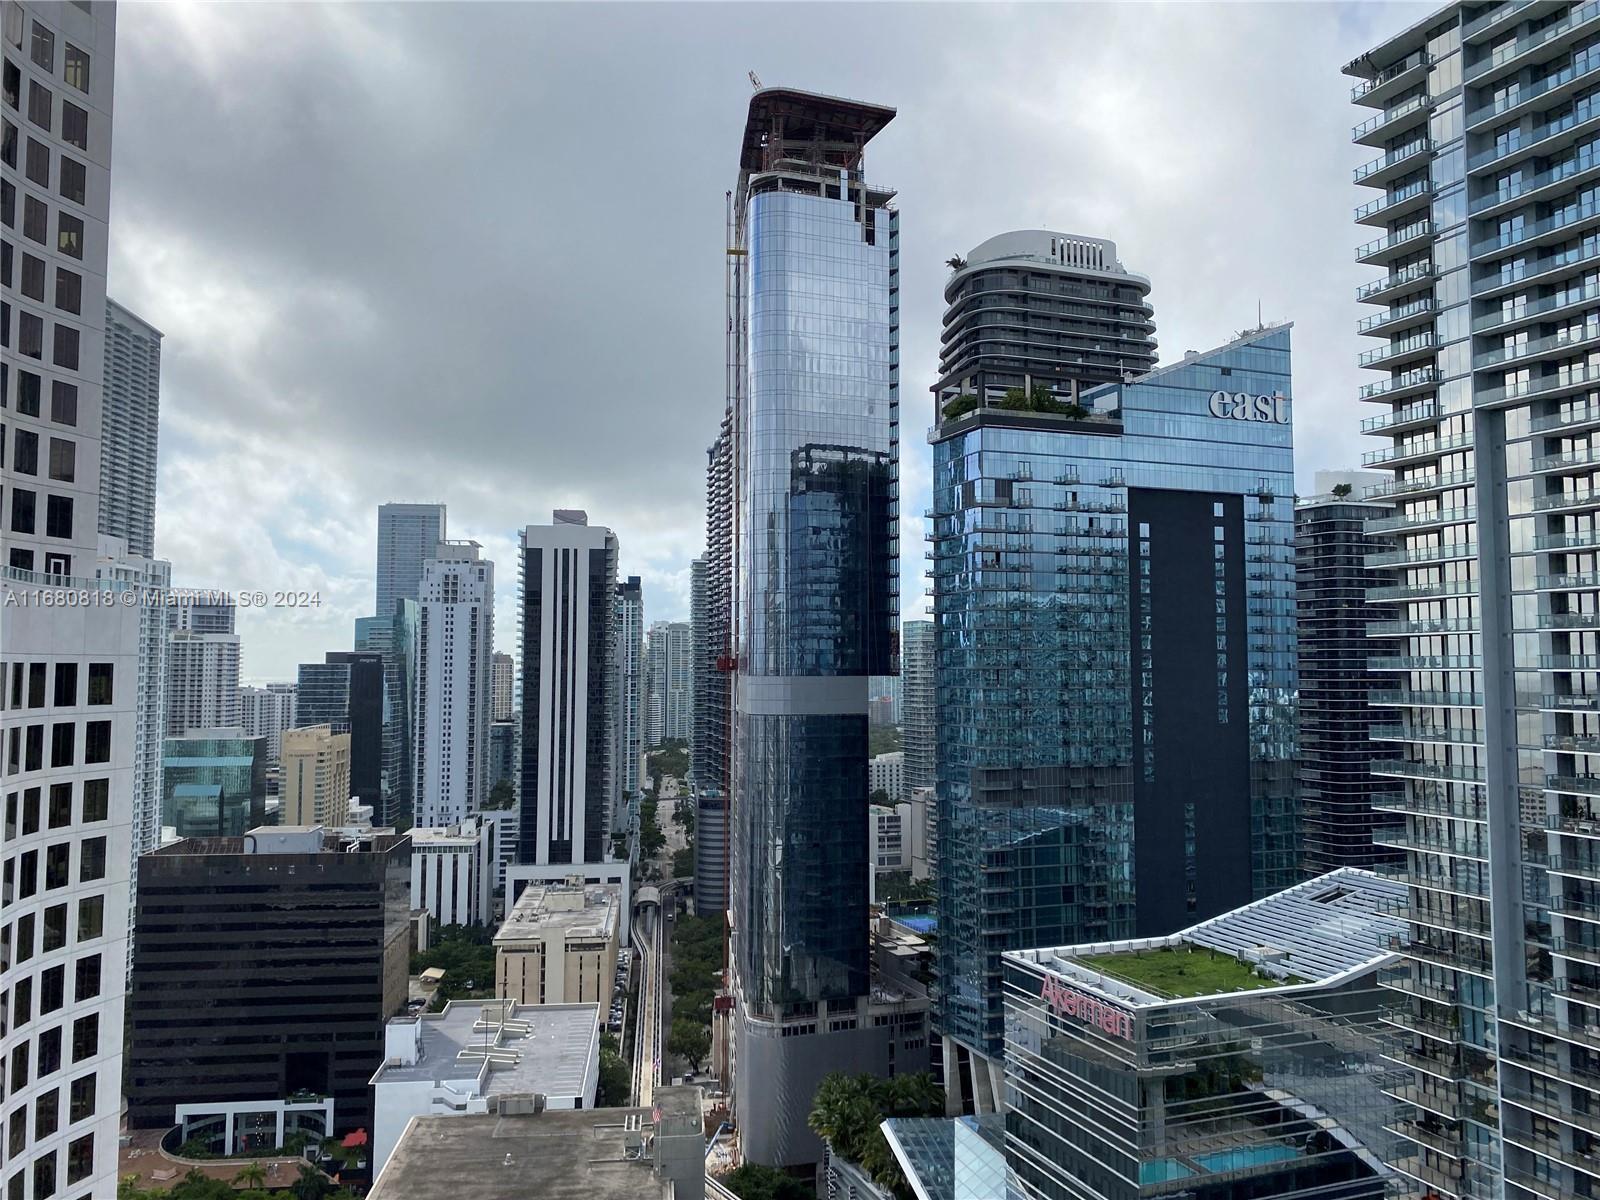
(1484, 233)
(815, 405)
(1113, 584)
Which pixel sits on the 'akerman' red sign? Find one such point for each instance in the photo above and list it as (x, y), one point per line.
(1070, 1002)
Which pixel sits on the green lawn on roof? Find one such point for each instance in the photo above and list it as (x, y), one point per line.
(1178, 972)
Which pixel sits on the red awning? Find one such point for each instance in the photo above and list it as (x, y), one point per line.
(352, 1140)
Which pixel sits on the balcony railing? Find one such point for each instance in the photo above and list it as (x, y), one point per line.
(1583, 161)
(1573, 339)
(1411, 414)
(1415, 378)
(1581, 113)
(1564, 219)
(1421, 145)
(1411, 191)
(1389, 116)
(1448, 552)
(1390, 316)
(1577, 414)
(1416, 271)
(1445, 516)
(1504, 55)
(1583, 66)
(1533, 308)
(1422, 483)
(1422, 448)
(1577, 376)
(1410, 63)
(1399, 237)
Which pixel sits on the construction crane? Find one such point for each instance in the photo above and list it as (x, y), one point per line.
(755, 80)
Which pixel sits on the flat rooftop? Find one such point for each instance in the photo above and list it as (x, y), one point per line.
(556, 909)
(1321, 932)
(554, 1155)
(543, 1048)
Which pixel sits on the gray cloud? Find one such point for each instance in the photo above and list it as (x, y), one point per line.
(474, 252)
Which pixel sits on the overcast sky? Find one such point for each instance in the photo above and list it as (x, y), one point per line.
(473, 252)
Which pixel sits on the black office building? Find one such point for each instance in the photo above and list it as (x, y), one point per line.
(1336, 561)
(265, 966)
(346, 692)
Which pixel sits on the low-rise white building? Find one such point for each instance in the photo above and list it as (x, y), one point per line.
(454, 870)
(481, 1056)
(558, 945)
(887, 773)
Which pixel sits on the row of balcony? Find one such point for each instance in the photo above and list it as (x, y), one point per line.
(1422, 520)
(1417, 451)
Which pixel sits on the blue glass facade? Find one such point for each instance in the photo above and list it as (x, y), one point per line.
(1116, 682)
(817, 565)
(214, 786)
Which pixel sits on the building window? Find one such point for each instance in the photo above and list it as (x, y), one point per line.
(100, 683)
(74, 125)
(66, 685)
(25, 452)
(43, 49)
(57, 865)
(85, 1037)
(97, 742)
(19, 1068)
(28, 393)
(63, 743)
(69, 236)
(96, 800)
(30, 334)
(32, 283)
(22, 1003)
(63, 401)
(80, 1158)
(81, 1099)
(22, 508)
(52, 990)
(8, 144)
(60, 815)
(37, 164)
(66, 347)
(47, 1108)
(87, 984)
(17, 1138)
(13, 86)
(50, 1051)
(74, 183)
(76, 68)
(92, 862)
(55, 928)
(35, 219)
(40, 102)
(63, 459)
(44, 1176)
(58, 516)
(91, 917)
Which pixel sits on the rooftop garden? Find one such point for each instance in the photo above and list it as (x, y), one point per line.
(1176, 972)
(1037, 400)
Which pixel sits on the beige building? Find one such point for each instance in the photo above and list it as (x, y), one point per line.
(558, 945)
(315, 777)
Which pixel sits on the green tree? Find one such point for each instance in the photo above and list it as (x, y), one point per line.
(848, 1112)
(616, 1080)
(752, 1182)
(690, 1040)
(501, 795)
(882, 739)
(251, 1175)
(311, 1185)
(683, 863)
(1342, 490)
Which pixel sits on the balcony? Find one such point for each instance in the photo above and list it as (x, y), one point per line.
(1576, 415)
(1547, 140)
(1556, 223)
(1575, 868)
(1402, 839)
(1417, 698)
(1564, 502)
(1444, 1106)
(1432, 518)
(1421, 345)
(1450, 552)
(1576, 539)
(1413, 197)
(1569, 620)
(1402, 769)
(1575, 378)
(1584, 458)
(1397, 162)
(1548, 268)
(1583, 69)
(1423, 413)
(1417, 380)
(1572, 297)
(1563, 33)
(1420, 485)
(1552, 702)
(1405, 279)
(1392, 121)
(1580, 785)
(1416, 312)
(1421, 627)
(1391, 80)
(1422, 591)
(1417, 451)
(1425, 735)
(1494, 20)
(1392, 246)
(1437, 1140)
(1537, 187)
(1556, 344)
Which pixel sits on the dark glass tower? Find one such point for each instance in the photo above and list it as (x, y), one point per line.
(814, 457)
(1335, 564)
(1114, 609)
(347, 692)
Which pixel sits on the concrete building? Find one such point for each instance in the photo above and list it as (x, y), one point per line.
(712, 627)
(313, 928)
(214, 783)
(1346, 809)
(506, 824)
(886, 773)
(315, 776)
(567, 773)
(655, 1153)
(265, 712)
(1481, 231)
(407, 536)
(202, 679)
(629, 663)
(483, 1056)
(886, 834)
(200, 610)
(558, 945)
(922, 835)
(503, 685)
(72, 672)
(1241, 1057)
(128, 430)
(669, 683)
(455, 640)
(814, 486)
(1117, 734)
(917, 704)
(346, 691)
(454, 871)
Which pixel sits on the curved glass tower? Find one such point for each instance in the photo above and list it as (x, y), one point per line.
(815, 553)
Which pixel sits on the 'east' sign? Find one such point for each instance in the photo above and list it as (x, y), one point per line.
(1242, 406)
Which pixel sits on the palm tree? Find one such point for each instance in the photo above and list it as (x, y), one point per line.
(251, 1175)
